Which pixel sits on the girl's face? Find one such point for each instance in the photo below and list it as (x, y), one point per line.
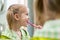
(24, 18)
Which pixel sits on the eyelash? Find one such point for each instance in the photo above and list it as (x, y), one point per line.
(26, 14)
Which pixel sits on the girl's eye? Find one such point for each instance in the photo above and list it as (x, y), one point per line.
(27, 14)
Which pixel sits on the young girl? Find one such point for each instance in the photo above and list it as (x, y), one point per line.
(17, 16)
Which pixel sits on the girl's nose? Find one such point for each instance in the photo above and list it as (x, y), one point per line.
(27, 17)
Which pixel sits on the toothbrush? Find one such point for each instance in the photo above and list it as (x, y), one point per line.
(33, 25)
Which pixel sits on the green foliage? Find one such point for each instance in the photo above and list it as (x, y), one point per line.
(2, 37)
(42, 38)
(35, 38)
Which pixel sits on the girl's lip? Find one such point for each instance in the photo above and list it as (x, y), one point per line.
(27, 21)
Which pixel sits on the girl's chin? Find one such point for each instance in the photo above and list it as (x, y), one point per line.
(25, 25)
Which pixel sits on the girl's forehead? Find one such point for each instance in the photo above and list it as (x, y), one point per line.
(23, 9)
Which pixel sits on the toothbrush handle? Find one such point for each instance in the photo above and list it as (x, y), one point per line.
(34, 25)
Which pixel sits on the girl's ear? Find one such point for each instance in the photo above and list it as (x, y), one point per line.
(16, 16)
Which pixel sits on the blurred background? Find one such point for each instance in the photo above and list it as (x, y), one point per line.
(39, 13)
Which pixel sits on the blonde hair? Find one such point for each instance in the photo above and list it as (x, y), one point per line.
(13, 9)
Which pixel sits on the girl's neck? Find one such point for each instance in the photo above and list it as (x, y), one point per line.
(15, 27)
